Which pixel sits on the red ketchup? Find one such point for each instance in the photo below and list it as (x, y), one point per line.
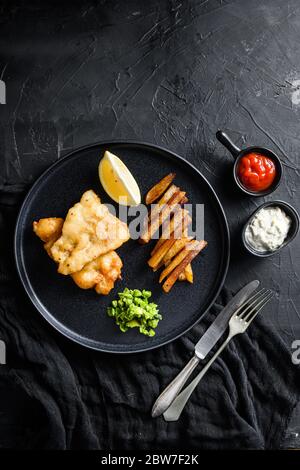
(256, 172)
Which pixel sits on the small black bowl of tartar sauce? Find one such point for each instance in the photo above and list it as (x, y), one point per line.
(272, 226)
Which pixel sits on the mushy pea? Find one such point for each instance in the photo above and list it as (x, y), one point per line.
(133, 310)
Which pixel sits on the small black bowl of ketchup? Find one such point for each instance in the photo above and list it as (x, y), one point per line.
(257, 170)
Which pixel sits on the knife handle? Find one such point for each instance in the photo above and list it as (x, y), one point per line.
(171, 391)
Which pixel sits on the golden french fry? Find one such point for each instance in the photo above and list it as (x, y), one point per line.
(156, 208)
(158, 189)
(189, 275)
(177, 226)
(144, 229)
(159, 242)
(178, 231)
(168, 227)
(181, 225)
(189, 256)
(160, 253)
(157, 267)
(175, 249)
(154, 212)
(165, 212)
(178, 258)
(184, 200)
(182, 276)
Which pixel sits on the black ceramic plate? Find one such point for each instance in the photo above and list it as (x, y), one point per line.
(81, 314)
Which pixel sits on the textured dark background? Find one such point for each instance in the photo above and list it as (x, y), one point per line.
(166, 72)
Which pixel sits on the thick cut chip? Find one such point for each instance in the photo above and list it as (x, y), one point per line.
(182, 260)
(158, 189)
(89, 231)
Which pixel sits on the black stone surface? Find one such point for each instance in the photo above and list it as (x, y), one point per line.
(166, 72)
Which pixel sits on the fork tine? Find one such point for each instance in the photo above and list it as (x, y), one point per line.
(257, 310)
(240, 312)
(258, 304)
(254, 304)
(244, 305)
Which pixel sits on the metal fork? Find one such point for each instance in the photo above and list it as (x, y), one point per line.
(238, 323)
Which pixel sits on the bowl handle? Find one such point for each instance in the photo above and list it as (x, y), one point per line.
(227, 142)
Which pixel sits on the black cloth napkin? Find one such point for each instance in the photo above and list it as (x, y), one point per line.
(57, 395)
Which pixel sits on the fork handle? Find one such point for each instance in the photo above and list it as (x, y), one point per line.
(171, 391)
(176, 407)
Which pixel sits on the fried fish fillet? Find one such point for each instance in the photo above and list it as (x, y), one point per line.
(89, 231)
(48, 230)
(100, 273)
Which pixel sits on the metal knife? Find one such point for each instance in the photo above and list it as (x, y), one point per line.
(202, 348)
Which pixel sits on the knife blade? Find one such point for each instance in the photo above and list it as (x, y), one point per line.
(217, 328)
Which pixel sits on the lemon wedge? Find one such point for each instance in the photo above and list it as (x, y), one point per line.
(117, 181)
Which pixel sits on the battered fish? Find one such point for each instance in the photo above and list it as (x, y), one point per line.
(89, 231)
(100, 273)
(48, 230)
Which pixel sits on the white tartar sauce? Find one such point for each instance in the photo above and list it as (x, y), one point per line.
(268, 229)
